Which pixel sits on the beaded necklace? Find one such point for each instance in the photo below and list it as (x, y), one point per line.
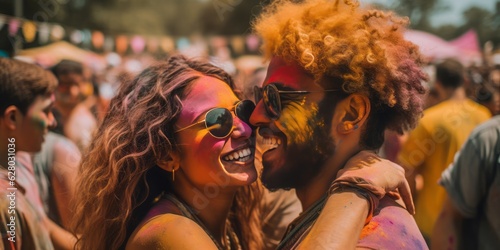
(231, 239)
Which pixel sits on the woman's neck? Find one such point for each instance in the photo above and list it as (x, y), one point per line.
(211, 204)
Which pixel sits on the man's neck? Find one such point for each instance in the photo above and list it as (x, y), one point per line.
(457, 94)
(319, 185)
(346, 147)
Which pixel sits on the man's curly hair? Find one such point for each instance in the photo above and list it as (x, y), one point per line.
(355, 49)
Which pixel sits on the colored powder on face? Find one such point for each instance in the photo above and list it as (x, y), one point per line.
(298, 121)
(39, 122)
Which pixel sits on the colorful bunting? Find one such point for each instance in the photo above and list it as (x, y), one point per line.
(97, 39)
(29, 31)
(121, 44)
(137, 43)
(76, 37)
(152, 45)
(57, 33)
(167, 44)
(109, 43)
(14, 26)
(43, 33)
(238, 44)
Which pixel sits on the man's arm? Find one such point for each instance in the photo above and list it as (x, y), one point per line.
(345, 213)
(339, 224)
(447, 228)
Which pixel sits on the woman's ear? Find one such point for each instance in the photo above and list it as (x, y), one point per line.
(355, 109)
(171, 163)
(12, 117)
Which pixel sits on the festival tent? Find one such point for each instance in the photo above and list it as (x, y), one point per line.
(49, 55)
(464, 48)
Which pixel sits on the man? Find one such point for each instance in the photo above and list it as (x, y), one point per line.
(73, 107)
(26, 99)
(430, 148)
(469, 218)
(339, 76)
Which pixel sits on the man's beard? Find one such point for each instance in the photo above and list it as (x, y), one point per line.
(303, 162)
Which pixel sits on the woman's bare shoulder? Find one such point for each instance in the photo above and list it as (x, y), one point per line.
(169, 231)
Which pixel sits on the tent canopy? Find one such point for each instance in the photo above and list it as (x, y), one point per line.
(464, 48)
(48, 56)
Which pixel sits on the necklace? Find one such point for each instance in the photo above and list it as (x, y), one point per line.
(231, 240)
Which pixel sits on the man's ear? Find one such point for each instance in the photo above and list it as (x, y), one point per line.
(171, 163)
(355, 110)
(12, 117)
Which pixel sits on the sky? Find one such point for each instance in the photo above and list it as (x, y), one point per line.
(453, 15)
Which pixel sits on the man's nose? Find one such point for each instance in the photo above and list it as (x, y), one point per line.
(259, 116)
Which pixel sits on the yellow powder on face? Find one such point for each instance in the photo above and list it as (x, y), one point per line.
(298, 121)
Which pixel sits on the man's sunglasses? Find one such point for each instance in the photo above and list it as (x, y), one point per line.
(272, 100)
(219, 121)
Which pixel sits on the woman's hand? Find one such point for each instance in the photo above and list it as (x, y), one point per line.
(387, 177)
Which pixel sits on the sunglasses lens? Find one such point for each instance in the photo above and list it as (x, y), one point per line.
(219, 122)
(272, 101)
(244, 110)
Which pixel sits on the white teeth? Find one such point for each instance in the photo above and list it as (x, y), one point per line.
(240, 155)
(271, 143)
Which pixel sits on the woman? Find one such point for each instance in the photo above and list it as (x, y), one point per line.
(171, 144)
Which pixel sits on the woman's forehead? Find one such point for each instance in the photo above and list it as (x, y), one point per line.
(206, 93)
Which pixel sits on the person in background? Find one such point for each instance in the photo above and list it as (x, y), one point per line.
(26, 100)
(469, 218)
(441, 132)
(56, 168)
(487, 95)
(72, 110)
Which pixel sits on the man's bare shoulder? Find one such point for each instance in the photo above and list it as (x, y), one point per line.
(169, 231)
(391, 227)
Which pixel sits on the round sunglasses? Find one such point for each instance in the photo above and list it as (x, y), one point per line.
(219, 121)
(270, 94)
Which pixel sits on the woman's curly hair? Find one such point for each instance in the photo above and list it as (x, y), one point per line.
(118, 178)
(354, 49)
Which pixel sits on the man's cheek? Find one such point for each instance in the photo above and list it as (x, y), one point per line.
(298, 121)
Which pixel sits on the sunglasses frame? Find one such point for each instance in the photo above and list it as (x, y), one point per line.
(275, 115)
(235, 108)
